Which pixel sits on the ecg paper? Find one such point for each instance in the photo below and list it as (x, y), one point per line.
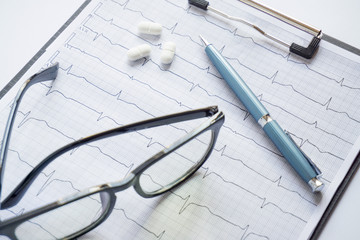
(246, 189)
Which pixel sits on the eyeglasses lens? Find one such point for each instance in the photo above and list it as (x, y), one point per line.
(177, 165)
(65, 220)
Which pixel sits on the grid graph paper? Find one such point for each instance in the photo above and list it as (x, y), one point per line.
(246, 189)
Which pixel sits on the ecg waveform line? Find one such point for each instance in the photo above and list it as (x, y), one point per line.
(225, 126)
(51, 180)
(276, 181)
(124, 5)
(263, 200)
(130, 166)
(27, 118)
(179, 102)
(188, 9)
(188, 204)
(197, 85)
(194, 85)
(48, 182)
(103, 36)
(153, 233)
(245, 228)
(315, 123)
(327, 106)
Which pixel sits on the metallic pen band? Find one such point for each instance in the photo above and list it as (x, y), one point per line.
(316, 184)
(264, 120)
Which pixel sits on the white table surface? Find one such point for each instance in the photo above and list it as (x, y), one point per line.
(25, 26)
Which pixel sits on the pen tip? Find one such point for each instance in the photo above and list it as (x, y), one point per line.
(203, 40)
(316, 184)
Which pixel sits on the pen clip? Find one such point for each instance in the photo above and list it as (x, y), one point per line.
(312, 164)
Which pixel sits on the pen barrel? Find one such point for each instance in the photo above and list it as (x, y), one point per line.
(236, 83)
(290, 151)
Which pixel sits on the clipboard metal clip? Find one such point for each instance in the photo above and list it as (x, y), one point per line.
(305, 52)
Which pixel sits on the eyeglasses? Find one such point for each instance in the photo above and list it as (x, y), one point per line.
(79, 213)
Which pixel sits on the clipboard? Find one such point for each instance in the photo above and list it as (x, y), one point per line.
(269, 11)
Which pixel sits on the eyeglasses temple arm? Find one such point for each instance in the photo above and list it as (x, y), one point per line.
(15, 196)
(45, 75)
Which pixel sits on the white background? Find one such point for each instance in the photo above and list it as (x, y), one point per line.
(25, 26)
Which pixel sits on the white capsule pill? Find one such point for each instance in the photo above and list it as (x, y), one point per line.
(150, 28)
(168, 52)
(138, 52)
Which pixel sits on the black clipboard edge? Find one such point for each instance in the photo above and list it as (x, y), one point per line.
(336, 198)
(340, 44)
(42, 50)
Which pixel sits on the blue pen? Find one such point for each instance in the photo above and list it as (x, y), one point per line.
(288, 148)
